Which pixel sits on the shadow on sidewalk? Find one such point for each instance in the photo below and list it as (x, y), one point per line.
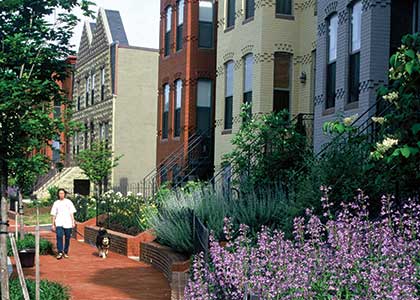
(140, 283)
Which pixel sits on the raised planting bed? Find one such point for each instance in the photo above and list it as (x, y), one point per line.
(79, 230)
(175, 266)
(120, 242)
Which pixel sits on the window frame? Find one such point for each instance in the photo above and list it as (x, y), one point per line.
(210, 82)
(180, 25)
(103, 83)
(230, 15)
(278, 13)
(87, 91)
(248, 5)
(247, 93)
(354, 57)
(331, 86)
(165, 110)
(202, 23)
(168, 33)
(92, 99)
(290, 79)
(177, 110)
(228, 119)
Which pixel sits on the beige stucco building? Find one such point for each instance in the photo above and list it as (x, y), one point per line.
(265, 55)
(115, 90)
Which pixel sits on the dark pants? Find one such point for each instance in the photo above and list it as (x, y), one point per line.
(66, 232)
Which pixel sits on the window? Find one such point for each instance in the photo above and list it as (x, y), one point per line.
(56, 149)
(57, 109)
(87, 91)
(102, 84)
(78, 102)
(93, 89)
(354, 68)
(313, 75)
(248, 73)
(106, 133)
(205, 23)
(284, 7)
(332, 57)
(230, 13)
(92, 133)
(165, 115)
(416, 16)
(74, 142)
(228, 95)
(180, 24)
(204, 93)
(281, 84)
(249, 9)
(402, 13)
(86, 136)
(177, 108)
(168, 30)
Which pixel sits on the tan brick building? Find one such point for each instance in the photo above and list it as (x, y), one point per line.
(266, 56)
(115, 91)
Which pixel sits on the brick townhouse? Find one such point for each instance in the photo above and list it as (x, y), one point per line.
(354, 42)
(187, 64)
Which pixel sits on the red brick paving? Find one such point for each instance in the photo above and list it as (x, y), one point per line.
(114, 278)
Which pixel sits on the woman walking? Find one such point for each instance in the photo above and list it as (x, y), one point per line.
(63, 222)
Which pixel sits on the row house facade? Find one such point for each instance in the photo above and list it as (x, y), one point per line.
(186, 85)
(265, 58)
(114, 97)
(355, 40)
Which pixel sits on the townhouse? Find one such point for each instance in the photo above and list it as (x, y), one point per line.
(355, 40)
(266, 58)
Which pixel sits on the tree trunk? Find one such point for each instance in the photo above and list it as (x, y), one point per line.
(21, 221)
(37, 267)
(3, 231)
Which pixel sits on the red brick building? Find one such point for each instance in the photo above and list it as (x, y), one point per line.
(58, 150)
(187, 73)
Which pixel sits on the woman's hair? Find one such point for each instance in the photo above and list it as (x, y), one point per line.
(61, 190)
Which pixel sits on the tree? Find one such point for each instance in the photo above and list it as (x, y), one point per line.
(32, 59)
(399, 143)
(97, 163)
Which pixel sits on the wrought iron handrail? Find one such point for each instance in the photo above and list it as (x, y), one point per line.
(45, 178)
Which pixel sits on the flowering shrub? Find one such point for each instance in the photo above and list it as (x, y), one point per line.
(350, 257)
(127, 214)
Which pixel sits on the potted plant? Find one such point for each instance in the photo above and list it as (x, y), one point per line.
(27, 257)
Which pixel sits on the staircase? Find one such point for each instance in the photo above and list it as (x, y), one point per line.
(63, 179)
(195, 164)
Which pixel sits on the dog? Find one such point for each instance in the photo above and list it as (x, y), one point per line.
(103, 242)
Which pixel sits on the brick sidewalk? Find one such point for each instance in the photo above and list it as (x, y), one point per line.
(92, 278)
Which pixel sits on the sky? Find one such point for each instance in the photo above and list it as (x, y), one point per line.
(140, 18)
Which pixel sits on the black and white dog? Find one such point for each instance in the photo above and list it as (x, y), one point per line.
(103, 242)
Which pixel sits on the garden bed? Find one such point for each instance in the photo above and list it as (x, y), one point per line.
(175, 266)
(120, 242)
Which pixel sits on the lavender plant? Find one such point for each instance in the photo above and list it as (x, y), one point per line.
(347, 256)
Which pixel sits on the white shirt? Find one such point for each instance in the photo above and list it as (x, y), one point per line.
(63, 210)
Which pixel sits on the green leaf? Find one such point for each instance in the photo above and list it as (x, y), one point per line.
(406, 151)
(415, 128)
(409, 67)
(410, 53)
(396, 152)
(418, 144)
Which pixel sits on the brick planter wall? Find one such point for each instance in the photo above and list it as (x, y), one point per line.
(80, 227)
(120, 243)
(173, 265)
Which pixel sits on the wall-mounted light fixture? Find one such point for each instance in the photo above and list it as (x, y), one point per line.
(302, 77)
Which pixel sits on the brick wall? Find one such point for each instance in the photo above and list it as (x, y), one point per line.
(173, 265)
(120, 243)
(188, 64)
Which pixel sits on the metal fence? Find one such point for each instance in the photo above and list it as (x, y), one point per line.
(201, 236)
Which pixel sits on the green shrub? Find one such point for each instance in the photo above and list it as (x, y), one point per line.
(52, 191)
(45, 246)
(173, 224)
(85, 208)
(48, 290)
